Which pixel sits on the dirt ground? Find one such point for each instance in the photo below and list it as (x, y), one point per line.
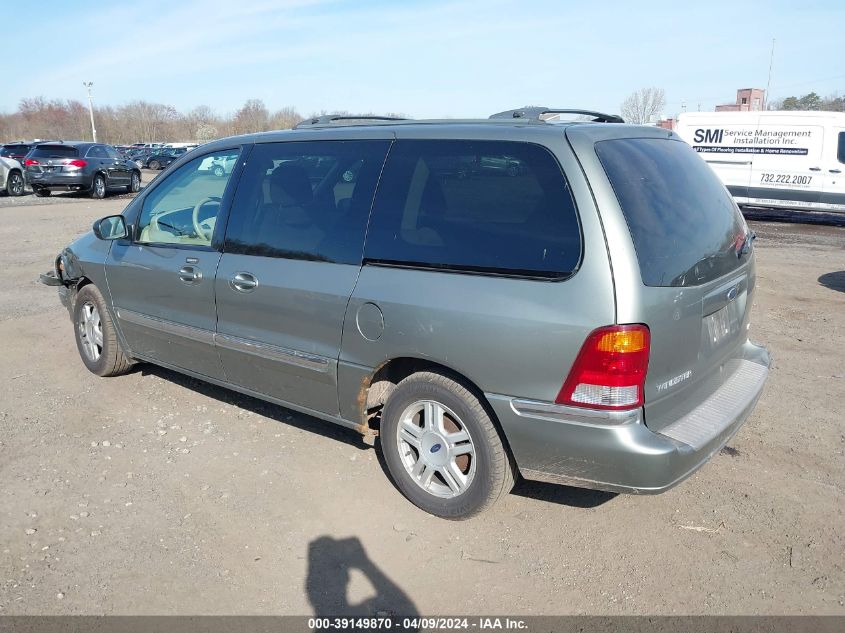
(157, 494)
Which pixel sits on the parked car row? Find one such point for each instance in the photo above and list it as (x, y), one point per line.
(66, 166)
(49, 166)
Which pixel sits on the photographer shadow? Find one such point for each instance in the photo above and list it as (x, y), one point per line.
(330, 562)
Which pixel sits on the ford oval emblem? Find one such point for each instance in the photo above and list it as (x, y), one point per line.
(732, 293)
(436, 448)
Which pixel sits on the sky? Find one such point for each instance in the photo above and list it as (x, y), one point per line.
(423, 59)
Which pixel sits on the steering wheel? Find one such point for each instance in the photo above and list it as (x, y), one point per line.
(204, 229)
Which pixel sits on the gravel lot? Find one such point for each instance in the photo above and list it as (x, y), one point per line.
(154, 493)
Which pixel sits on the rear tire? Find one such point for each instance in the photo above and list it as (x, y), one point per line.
(41, 192)
(219, 171)
(96, 337)
(98, 187)
(454, 465)
(154, 165)
(15, 184)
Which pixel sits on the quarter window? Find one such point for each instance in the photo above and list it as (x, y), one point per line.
(486, 206)
(96, 151)
(840, 154)
(184, 208)
(306, 200)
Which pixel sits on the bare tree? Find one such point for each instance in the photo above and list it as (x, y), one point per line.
(252, 117)
(285, 119)
(643, 105)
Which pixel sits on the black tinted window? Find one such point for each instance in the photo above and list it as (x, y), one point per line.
(96, 151)
(54, 151)
(306, 200)
(491, 206)
(685, 226)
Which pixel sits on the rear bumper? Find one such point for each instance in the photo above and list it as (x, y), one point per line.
(617, 451)
(68, 182)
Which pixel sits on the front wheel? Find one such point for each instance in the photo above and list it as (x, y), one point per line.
(96, 338)
(442, 448)
(98, 187)
(219, 171)
(135, 182)
(154, 165)
(14, 184)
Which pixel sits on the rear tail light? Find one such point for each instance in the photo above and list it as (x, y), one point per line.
(610, 370)
(30, 161)
(76, 162)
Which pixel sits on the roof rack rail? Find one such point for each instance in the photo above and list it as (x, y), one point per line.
(534, 113)
(328, 119)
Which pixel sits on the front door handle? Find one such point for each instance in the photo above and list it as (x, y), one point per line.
(190, 275)
(835, 171)
(815, 168)
(244, 282)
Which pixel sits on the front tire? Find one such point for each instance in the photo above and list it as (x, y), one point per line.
(135, 182)
(219, 171)
(154, 165)
(96, 337)
(442, 449)
(15, 184)
(98, 187)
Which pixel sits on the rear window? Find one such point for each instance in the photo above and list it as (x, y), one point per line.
(685, 226)
(54, 151)
(485, 206)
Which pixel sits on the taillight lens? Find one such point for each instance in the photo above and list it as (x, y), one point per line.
(610, 370)
(30, 161)
(76, 162)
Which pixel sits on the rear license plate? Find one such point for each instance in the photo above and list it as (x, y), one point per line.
(721, 325)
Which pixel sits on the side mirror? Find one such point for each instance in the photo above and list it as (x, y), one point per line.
(112, 227)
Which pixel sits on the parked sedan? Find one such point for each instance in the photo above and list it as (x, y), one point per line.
(79, 166)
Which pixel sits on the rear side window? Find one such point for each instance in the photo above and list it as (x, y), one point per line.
(840, 154)
(685, 226)
(54, 151)
(485, 206)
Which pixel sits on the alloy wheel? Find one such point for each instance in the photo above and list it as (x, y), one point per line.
(90, 331)
(15, 184)
(436, 449)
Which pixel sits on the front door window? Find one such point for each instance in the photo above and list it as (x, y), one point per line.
(184, 209)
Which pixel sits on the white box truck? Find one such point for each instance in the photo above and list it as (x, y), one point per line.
(790, 160)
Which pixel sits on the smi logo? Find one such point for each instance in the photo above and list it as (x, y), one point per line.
(709, 136)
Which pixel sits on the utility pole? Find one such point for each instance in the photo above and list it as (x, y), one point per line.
(769, 82)
(88, 85)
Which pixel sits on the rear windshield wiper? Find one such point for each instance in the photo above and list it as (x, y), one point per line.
(745, 247)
